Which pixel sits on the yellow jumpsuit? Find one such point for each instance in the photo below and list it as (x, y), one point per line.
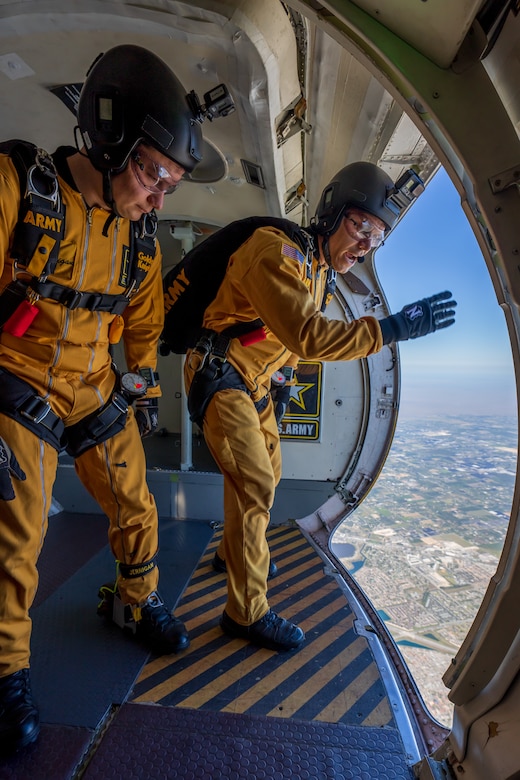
(267, 277)
(65, 356)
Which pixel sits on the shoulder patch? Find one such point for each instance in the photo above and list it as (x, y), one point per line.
(292, 252)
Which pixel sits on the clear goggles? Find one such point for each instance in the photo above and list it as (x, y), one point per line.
(362, 229)
(151, 175)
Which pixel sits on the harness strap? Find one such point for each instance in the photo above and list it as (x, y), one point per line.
(142, 248)
(20, 401)
(220, 341)
(75, 299)
(330, 286)
(212, 345)
(97, 427)
(242, 328)
(41, 222)
(213, 377)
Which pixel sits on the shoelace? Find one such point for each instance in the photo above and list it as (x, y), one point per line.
(272, 619)
(158, 614)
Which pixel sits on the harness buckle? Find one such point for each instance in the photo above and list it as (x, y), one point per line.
(200, 352)
(220, 345)
(42, 179)
(148, 225)
(72, 299)
(120, 402)
(35, 409)
(92, 300)
(132, 289)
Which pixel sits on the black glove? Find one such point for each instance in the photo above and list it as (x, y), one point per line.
(9, 467)
(419, 318)
(281, 396)
(147, 415)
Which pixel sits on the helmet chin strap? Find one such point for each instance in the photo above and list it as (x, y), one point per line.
(320, 248)
(326, 250)
(107, 192)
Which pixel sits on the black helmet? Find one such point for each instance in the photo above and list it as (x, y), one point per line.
(362, 185)
(130, 95)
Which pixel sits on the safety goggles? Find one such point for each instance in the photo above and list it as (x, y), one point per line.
(362, 229)
(151, 175)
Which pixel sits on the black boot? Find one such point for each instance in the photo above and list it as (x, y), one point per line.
(159, 629)
(271, 631)
(156, 627)
(220, 565)
(19, 718)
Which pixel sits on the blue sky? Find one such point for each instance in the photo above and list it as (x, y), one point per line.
(467, 368)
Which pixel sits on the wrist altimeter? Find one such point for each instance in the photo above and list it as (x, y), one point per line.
(133, 385)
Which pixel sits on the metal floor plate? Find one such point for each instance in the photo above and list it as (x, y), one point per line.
(146, 742)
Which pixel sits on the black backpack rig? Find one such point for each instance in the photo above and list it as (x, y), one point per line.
(191, 285)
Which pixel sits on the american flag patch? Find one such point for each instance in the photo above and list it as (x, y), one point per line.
(291, 251)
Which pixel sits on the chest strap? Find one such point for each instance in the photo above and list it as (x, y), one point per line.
(75, 299)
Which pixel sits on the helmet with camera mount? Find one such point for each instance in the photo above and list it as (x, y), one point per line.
(362, 185)
(131, 96)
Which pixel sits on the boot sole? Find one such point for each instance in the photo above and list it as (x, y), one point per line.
(16, 745)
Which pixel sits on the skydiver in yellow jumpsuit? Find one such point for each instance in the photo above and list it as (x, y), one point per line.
(56, 370)
(283, 283)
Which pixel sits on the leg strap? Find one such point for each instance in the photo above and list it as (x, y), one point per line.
(98, 426)
(20, 401)
(215, 376)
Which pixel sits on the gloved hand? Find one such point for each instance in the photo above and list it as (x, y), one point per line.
(419, 318)
(9, 467)
(147, 415)
(281, 396)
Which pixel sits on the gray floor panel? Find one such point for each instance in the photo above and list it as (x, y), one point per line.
(80, 663)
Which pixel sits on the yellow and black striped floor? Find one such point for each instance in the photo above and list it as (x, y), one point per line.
(223, 710)
(332, 678)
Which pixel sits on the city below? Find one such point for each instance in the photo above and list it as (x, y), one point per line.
(425, 542)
